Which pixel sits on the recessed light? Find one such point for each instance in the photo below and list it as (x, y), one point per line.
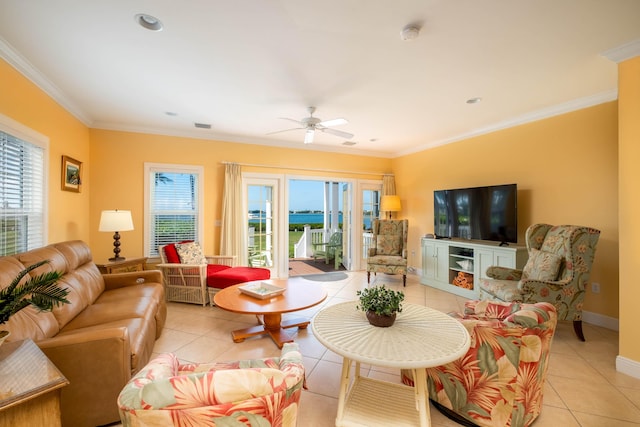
(149, 22)
(473, 100)
(171, 113)
(202, 125)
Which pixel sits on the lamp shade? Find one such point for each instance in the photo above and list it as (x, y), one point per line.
(116, 221)
(390, 204)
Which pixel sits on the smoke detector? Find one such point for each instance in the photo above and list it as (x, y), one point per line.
(410, 32)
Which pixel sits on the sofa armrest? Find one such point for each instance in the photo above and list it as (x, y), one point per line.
(119, 280)
(97, 363)
(503, 273)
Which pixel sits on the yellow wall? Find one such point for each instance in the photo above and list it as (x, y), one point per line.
(25, 103)
(118, 167)
(566, 168)
(629, 176)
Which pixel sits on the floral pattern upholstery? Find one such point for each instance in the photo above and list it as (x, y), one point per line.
(574, 245)
(500, 380)
(261, 392)
(388, 250)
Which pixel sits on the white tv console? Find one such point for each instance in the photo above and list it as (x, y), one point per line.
(444, 259)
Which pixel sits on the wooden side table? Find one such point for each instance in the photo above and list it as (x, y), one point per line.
(129, 264)
(30, 386)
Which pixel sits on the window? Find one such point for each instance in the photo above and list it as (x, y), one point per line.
(173, 205)
(22, 188)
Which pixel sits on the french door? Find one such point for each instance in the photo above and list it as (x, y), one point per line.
(264, 222)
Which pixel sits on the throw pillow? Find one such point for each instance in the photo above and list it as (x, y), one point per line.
(542, 266)
(171, 254)
(191, 253)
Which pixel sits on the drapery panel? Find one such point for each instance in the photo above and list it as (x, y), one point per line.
(233, 236)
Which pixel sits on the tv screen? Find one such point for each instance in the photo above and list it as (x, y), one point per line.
(479, 213)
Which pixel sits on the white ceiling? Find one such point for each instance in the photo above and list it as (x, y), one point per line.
(242, 65)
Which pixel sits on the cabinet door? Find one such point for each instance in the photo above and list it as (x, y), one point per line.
(504, 259)
(484, 259)
(429, 260)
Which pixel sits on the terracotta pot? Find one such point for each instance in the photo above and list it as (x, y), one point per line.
(380, 320)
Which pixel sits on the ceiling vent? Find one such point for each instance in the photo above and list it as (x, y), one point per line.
(349, 143)
(202, 125)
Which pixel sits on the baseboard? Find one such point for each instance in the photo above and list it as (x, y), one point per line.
(601, 320)
(628, 366)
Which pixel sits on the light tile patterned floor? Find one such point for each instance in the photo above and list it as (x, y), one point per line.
(583, 387)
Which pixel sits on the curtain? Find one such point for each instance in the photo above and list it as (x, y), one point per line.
(388, 185)
(233, 236)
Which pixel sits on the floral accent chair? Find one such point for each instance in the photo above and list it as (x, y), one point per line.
(500, 380)
(558, 270)
(388, 250)
(261, 392)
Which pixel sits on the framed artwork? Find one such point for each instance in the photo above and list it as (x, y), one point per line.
(71, 174)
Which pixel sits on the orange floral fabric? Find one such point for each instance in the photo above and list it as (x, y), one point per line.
(261, 392)
(499, 382)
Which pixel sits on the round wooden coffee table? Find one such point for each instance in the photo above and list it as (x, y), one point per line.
(298, 295)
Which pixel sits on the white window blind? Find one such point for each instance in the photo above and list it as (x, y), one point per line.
(174, 208)
(22, 195)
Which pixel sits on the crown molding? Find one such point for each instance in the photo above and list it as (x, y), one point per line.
(555, 110)
(20, 63)
(624, 52)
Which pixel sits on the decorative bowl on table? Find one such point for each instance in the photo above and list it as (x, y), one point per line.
(262, 290)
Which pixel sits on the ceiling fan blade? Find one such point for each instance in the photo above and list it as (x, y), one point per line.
(291, 120)
(336, 132)
(334, 122)
(286, 130)
(308, 136)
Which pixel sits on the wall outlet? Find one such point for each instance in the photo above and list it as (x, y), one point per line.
(595, 287)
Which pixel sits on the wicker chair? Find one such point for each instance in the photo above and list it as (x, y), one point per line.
(188, 282)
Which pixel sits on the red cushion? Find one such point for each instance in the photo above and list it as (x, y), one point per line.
(234, 275)
(214, 268)
(171, 253)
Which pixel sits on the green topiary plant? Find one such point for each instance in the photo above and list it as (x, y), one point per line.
(380, 300)
(41, 291)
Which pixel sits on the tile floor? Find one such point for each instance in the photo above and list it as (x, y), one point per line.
(583, 387)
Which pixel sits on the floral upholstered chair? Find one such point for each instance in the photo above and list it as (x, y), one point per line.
(558, 269)
(500, 381)
(388, 250)
(261, 392)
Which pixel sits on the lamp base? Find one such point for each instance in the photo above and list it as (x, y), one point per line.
(117, 258)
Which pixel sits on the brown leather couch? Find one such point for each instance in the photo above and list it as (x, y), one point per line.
(98, 341)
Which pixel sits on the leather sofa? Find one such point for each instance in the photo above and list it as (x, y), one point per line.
(98, 341)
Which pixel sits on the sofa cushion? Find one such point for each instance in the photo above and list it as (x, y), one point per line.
(542, 266)
(234, 275)
(191, 253)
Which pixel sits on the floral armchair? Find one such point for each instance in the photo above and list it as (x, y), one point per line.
(388, 250)
(500, 381)
(558, 269)
(261, 392)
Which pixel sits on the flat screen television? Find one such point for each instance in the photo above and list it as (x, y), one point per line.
(479, 213)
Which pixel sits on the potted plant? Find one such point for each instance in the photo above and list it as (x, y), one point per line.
(41, 291)
(380, 304)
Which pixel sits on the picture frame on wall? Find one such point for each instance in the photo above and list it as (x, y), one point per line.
(71, 174)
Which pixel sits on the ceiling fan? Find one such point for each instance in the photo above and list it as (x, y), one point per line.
(311, 124)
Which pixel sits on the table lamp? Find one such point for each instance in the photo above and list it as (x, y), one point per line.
(116, 221)
(390, 204)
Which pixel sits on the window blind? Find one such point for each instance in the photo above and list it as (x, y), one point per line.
(173, 213)
(21, 195)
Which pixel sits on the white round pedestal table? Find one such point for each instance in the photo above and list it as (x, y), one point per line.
(421, 337)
